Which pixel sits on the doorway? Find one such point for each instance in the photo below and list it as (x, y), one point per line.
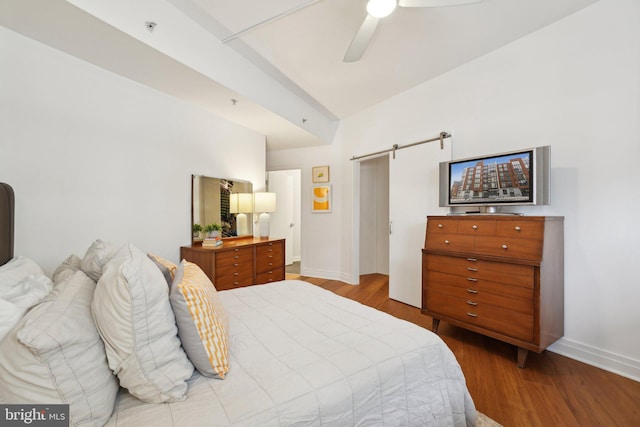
(406, 186)
(286, 220)
(374, 216)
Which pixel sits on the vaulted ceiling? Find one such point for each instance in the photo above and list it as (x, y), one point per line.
(284, 77)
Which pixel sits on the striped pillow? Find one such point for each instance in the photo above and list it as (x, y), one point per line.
(202, 320)
(171, 267)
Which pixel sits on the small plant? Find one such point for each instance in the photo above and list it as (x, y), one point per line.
(197, 228)
(212, 227)
(213, 230)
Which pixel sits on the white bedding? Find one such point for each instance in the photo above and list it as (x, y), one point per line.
(301, 355)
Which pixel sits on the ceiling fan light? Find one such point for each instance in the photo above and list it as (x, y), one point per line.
(381, 8)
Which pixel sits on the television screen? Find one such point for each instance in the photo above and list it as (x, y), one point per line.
(496, 179)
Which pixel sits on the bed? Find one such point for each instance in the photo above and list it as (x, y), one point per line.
(297, 355)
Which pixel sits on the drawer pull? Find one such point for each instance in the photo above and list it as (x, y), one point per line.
(236, 257)
(269, 256)
(472, 259)
(472, 269)
(236, 283)
(270, 264)
(440, 226)
(270, 244)
(475, 227)
(472, 302)
(236, 274)
(446, 242)
(505, 247)
(472, 291)
(271, 272)
(236, 264)
(472, 279)
(517, 228)
(471, 314)
(236, 249)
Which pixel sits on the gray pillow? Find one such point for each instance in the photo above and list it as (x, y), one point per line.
(134, 318)
(55, 355)
(164, 270)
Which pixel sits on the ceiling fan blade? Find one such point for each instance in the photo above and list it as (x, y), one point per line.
(435, 3)
(361, 40)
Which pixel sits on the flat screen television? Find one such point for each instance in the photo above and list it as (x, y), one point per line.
(515, 178)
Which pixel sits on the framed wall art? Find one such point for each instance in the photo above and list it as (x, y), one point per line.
(320, 174)
(321, 198)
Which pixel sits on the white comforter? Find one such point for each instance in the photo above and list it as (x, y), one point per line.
(301, 355)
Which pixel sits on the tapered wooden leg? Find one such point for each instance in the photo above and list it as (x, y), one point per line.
(434, 325)
(522, 357)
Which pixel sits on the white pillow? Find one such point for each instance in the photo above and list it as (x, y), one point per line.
(132, 312)
(96, 257)
(10, 315)
(17, 299)
(66, 268)
(16, 270)
(55, 355)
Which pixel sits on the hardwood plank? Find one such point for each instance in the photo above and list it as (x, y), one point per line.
(552, 390)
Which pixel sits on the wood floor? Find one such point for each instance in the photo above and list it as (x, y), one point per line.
(552, 390)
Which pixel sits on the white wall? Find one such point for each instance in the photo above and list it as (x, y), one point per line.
(574, 85)
(321, 235)
(93, 155)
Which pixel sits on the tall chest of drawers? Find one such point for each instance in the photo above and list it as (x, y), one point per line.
(498, 275)
(239, 262)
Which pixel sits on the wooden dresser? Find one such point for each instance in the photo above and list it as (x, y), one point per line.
(239, 262)
(498, 275)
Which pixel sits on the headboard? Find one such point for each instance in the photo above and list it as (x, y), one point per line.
(7, 209)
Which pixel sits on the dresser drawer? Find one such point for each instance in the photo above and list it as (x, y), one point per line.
(483, 291)
(269, 257)
(480, 227)
(234, 268)
(234, 257)
(474, 270)
(270, 276)
(450, 242)
(442, 225)
(510, 247)
(522, 228)
(231, 278)
(499, 319)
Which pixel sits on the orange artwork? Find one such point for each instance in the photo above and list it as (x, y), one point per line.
(321, 198)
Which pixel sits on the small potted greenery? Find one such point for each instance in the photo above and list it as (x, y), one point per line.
(197, 228)
(213, 230)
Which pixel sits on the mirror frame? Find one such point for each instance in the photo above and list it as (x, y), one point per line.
(233, 181)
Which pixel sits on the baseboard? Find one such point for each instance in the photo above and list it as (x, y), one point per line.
(602, 359)
(325, 274)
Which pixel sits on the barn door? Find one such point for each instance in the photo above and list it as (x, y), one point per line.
(413, 194)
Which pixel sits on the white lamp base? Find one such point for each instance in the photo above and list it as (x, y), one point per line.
(263, 223)
(241, 224)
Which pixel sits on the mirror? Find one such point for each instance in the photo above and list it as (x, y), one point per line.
(211, 204)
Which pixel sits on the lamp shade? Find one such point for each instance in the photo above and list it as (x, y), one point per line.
(264, 202)
(245, 203)
(233, 203)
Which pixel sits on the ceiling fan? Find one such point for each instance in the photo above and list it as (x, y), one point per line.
(376, 9)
